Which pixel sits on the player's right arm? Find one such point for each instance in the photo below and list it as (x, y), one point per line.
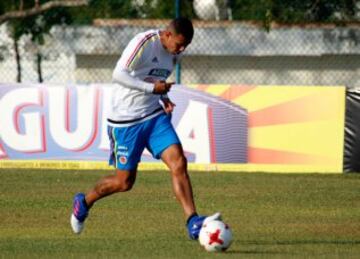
(134, 55)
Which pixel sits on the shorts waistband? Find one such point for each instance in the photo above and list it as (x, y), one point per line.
(137, 120)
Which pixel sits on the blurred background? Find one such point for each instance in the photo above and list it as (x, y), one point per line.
(263, 42)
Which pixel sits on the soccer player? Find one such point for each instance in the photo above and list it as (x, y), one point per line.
(140, 118)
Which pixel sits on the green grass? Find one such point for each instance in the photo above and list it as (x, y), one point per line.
(271, 215)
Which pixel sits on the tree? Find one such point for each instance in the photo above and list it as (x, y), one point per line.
(163, 9)
(37, 27)
(34, 18)
(295, 11)
(16, 31)
(19, 9)
(103, 9)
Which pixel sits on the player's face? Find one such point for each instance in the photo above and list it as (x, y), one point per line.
(176, 43)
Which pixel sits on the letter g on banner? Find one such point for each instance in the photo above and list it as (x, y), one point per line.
(22, 124)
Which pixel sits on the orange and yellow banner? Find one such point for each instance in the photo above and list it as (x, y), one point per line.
(290, 128)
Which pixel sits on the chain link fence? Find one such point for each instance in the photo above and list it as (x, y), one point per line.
(224, 51)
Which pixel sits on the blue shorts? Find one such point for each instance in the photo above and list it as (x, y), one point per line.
(128, 143)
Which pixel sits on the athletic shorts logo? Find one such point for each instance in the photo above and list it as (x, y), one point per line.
(122, 153)
(122, 148)
(123, 160)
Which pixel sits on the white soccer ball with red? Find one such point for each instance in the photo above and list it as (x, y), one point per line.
(215, 236)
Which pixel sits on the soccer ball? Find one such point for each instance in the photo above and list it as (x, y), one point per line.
(215, 236)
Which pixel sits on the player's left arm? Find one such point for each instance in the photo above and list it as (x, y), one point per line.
(167, 104)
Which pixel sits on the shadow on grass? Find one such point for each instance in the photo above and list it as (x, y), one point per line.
(303, 242)
(238, 251)
(265, 244)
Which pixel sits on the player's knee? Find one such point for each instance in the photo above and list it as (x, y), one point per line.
(127, 186)
(179, 165)
(124, 180)
(122, 186)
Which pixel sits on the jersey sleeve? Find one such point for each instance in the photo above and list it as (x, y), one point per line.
(123, 77)
(136, 52)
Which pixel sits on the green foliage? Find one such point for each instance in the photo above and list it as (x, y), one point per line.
(121, 9)
(250, 9)
(37, 25)
(13, 5)
(40, 25)
(314, 11)
(295, 11)
(166, 9)
(125, 9)
(266, 11)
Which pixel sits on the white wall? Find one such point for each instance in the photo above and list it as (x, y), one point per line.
(281, 70)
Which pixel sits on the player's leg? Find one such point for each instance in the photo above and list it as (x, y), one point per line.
(164, 143)
(126, 147)
(174, 158)
(122, 181)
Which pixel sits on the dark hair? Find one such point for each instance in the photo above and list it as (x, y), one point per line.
(184, 27)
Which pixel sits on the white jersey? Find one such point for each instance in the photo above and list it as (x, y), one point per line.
(143, 62)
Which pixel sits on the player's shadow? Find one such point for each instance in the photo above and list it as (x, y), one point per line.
(264, 244)
(249, 251)
(302, 242)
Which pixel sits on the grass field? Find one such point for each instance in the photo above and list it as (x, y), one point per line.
(271, 215)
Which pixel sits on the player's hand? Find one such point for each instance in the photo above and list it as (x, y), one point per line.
(161, 87)
(168, 105)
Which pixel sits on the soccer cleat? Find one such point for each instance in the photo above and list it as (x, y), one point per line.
(80, 212)
(195, 223)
